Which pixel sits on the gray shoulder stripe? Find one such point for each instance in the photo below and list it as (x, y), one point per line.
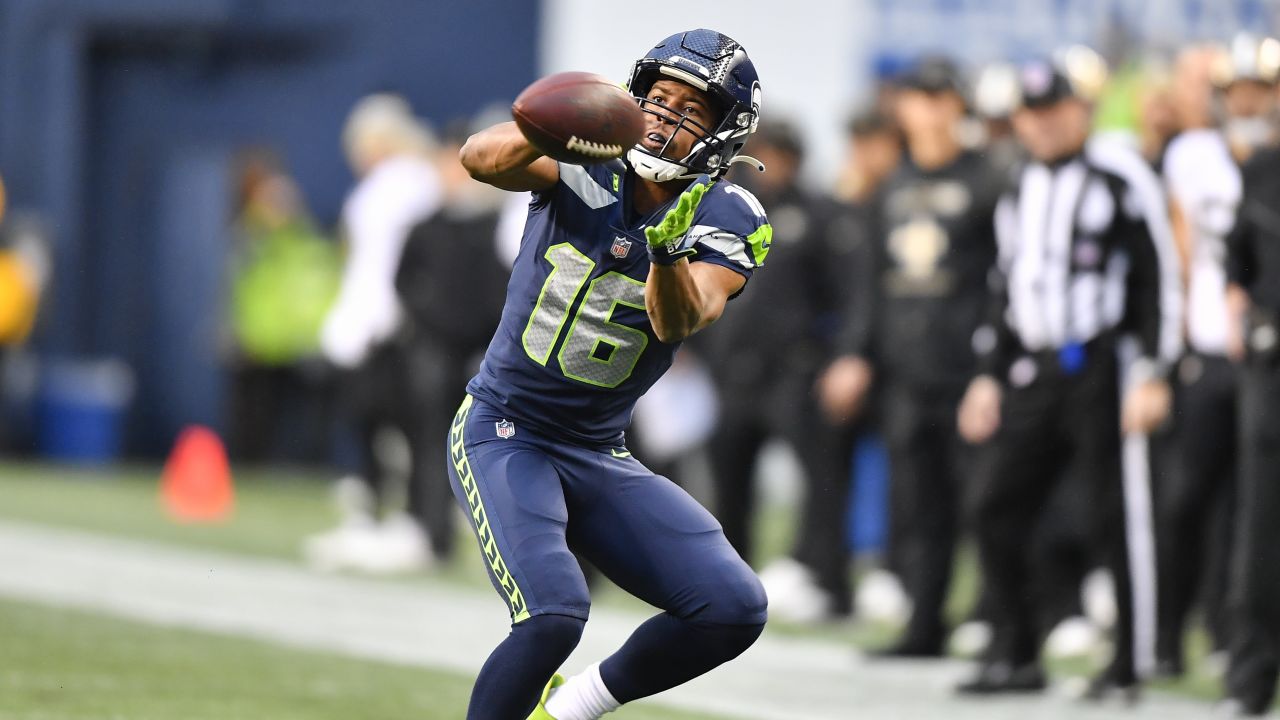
(728, 244)
(577, 179)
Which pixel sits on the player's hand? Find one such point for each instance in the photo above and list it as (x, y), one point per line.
(1146, 405)
(668, 240)
(979, 415)
(842, 388)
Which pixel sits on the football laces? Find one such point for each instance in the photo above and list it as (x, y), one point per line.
(594, 149)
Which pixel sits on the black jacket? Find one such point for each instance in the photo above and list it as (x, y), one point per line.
(934, 245)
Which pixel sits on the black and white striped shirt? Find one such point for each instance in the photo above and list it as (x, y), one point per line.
(1085, 248)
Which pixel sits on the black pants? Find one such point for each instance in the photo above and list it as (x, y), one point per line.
(926, 463)
(1057, 426)
(280, 414)
(1193, 494)
(1254, 597)
(748, 418)
(413, 385)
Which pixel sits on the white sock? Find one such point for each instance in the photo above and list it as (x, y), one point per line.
(582, 697)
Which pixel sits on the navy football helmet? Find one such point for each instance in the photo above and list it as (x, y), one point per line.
(717, 65)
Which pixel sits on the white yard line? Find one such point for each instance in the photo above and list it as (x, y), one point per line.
(446, 627)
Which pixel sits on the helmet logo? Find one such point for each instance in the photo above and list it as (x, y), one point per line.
(677, 59)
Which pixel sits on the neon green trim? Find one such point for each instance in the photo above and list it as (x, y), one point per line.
(480, 519)
(760, 241)
(616, 182)
(623, 454)
(538, 355)
(644, 339)
(540, 712)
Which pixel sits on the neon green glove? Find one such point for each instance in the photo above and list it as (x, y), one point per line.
(669, 239)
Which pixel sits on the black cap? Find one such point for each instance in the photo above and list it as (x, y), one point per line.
(1042, 83)
(933, 74)
(1074, 72)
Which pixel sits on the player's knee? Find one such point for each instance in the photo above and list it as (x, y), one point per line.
(737, 600)
(554, 635)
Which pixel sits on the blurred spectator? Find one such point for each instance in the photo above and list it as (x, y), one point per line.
(1194, 492)
(764, 388)
(451, 284)
(1086, 255)
(995, 97)
(284, 278)
(24, 271)
(389, 151)
(1247, 74)
(873, 153)
(1157, 119)
(1254, 598)
(933, 246)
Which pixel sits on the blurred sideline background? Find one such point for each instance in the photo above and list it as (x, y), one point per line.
(145, 143)
(122, 122)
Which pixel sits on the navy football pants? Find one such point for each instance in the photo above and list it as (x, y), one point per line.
(530, 498)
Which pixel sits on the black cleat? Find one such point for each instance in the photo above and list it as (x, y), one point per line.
(1114, 685)
(909, 650)
(1169, 668)
(1004, 678)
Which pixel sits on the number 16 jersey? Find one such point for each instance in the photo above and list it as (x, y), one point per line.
(575, 349)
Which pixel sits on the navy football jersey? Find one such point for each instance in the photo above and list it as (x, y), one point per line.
(575, 349)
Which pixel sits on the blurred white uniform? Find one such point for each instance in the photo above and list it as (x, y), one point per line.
(377, 216)
(393, 196)
(1202, 177)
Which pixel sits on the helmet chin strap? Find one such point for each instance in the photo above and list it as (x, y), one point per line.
(746, 159)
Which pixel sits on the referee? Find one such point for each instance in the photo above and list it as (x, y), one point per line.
(1086, 255)
(1254, 295)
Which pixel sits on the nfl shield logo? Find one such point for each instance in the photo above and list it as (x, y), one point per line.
(621, 246)
(506, 429)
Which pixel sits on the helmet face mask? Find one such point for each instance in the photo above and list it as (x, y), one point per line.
(717, 66)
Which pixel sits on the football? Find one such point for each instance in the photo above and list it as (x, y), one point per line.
(578, 118)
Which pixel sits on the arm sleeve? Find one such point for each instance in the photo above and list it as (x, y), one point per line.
(1154, 307)
(1241, 256)
(861, 294)
(994, 342)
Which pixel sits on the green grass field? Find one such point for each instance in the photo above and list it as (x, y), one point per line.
(70, 665)
(63, 664)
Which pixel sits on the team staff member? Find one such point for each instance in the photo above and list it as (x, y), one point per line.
(1254, 596)
(934, 245)
(1195, 493)
(764, 388)
(443, 337)
(1085, 255)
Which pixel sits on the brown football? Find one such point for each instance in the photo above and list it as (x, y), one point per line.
(579, 118)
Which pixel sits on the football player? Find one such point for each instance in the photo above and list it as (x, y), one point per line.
(619, 263)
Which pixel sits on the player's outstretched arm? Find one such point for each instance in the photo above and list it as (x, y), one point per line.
(501, 156)
(683, 298)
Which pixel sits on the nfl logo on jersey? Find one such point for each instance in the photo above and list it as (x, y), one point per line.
(506, 429)
(621, 246)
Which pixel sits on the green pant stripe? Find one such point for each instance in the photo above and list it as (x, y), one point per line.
(480, 519)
